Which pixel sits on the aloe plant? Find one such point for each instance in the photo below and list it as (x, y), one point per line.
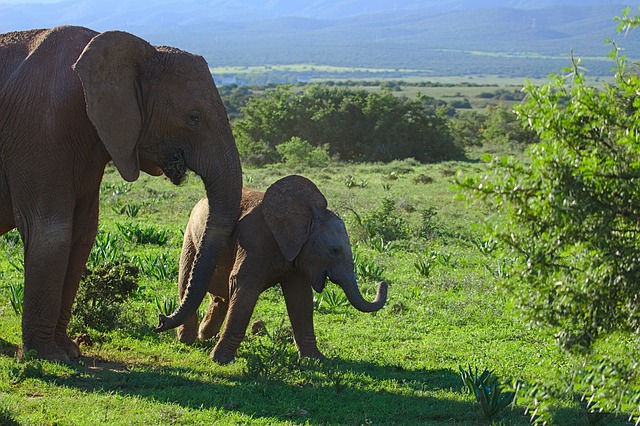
(488, 393)
(423, 266)
(334, 299)
(16, 297)
(167, 305)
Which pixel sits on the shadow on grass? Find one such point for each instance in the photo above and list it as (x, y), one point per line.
(8, 348)
(362, 392)
(407, 397)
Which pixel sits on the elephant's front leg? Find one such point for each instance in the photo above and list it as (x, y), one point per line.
(47, 244)
(85, 226)
(298, 296)
(244, 289)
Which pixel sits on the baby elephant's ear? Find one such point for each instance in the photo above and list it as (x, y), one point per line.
(288, 207)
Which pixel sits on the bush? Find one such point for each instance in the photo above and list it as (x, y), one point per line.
(101, 298)
(7, 417)
(385, 222)
(296, 152)
(355, 125)
(568, 216)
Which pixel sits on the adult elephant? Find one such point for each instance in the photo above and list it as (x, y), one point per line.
(72, 99)
(285, 235)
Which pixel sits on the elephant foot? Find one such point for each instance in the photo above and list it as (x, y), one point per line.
(222, 357)
(47, 351)
(311, 353)
(205, 333)
(187, 336)
(187, 332)
(68, 345)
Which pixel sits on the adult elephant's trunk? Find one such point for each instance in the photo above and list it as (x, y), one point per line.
(223, 184)
(352, 292)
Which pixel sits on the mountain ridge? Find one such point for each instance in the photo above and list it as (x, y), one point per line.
(407, 34)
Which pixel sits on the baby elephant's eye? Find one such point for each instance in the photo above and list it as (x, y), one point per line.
(335, 251)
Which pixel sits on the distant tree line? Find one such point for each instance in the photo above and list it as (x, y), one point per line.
(352, 125)
(334, 120)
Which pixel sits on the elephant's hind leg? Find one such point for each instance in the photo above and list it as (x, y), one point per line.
(213, 318)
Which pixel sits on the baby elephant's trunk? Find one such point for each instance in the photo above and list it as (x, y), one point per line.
(352, 292)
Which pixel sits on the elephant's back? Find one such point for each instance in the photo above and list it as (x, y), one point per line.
(44, 48)
(250, 200)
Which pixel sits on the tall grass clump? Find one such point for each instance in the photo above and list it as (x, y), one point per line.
(270, 355)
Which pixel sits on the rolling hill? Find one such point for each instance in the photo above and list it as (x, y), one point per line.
(462, 37)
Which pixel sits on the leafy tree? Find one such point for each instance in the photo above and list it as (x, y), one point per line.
(569, 215)
(300, 153)
(466, 128)
(496, 125)
(503, 126)
(357, 125)
(235, 98)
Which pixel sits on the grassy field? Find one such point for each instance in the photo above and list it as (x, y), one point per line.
(312, 73)
(397, 366)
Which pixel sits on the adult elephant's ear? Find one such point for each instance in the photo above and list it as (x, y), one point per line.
(108, 68)
(288, 207)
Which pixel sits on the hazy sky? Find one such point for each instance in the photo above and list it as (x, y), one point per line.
(27, 1)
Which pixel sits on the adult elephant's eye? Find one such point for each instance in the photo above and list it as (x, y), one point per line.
(193, 119)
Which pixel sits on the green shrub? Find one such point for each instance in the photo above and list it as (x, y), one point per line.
(167, 305)
(130, 210)
(255, 152)
(424, 266)
(356, 125)
(298, 152)
(160, 267)
(429, 227)
(107, 248)
(385, 222)
(567, 214)
(11, 239)
(101, 298)
(333, 299)
(367, 269)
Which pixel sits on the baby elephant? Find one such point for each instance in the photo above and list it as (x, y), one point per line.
(285, 235)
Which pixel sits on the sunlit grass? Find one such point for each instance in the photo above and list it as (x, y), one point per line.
(396, 366)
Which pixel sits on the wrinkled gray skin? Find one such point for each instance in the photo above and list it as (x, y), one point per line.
(71, 100)
(288, 236)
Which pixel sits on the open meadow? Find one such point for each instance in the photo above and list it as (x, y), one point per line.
(409, 225)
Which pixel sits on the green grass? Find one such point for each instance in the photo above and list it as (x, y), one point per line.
(396, 366)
